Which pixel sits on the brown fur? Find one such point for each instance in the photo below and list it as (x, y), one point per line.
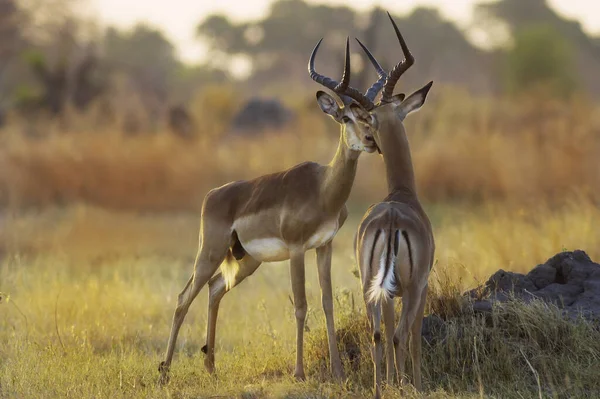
(400, 212)
(298, 209)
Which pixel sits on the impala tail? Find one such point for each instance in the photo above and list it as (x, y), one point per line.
(389, 248)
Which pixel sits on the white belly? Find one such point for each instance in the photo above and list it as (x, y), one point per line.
(274, 249)
(267, 249)
(323, 234)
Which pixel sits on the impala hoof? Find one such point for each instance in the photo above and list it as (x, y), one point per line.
(339, 375)
(299, 376)
(210, 366)
(163, 369)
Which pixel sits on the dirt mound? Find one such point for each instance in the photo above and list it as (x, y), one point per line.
(570, 280)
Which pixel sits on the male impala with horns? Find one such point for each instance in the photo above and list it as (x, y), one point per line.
(281, 216)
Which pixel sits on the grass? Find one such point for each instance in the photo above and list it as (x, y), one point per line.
(98, 230)
(89, 293)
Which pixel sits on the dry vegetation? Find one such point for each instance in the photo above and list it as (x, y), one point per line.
(465, 148)
(88, 289)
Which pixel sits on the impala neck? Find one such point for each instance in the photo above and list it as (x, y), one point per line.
(339, 176)
(398, 161)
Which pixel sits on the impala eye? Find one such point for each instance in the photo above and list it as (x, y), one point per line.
(345, 119)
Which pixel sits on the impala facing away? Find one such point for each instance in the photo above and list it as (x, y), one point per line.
(281, 216)
(394, 243)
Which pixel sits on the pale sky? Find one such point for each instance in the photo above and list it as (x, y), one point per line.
(179, 18)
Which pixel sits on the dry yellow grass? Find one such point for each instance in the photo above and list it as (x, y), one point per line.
(92, 293)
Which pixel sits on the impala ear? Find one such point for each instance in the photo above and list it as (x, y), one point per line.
(329, 105)
(413, 102)
(398, 98)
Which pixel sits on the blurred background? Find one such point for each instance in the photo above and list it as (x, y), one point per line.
(117, 117)
(146, 106)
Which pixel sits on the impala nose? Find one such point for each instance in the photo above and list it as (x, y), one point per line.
(370, 138)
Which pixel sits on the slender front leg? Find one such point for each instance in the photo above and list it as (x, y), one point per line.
(390, 326)
(324, 266)
(298, 280)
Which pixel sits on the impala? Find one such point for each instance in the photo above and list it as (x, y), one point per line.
(281, 216)
(394, 243)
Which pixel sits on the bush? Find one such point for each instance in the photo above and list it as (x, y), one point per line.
(541, 60)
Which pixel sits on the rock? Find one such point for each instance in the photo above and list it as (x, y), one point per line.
(483, 306)
(569, 280)
(503, 281)
(542, 275)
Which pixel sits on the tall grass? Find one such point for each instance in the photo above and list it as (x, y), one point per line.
(88, 296)
(464, 148)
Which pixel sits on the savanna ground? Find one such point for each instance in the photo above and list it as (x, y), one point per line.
(99, 231)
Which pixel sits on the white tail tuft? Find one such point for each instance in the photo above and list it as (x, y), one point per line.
(382, 286)
(229, 270)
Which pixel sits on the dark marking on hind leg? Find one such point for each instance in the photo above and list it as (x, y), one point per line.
(376, 337)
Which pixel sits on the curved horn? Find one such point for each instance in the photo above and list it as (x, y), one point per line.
(342, 88)
(399, 69)
(377, 86)
(317, 77)
(343, 85)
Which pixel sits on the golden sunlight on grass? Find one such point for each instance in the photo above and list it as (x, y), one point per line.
(89, 293)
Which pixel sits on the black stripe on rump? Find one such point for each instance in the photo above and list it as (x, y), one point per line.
(410, 255)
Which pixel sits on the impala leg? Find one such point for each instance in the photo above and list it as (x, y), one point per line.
(298, 282)
(217, 290)
(410, 303)
(390, 326)
(324, 266)
(205, 266)
(376, 350)
(415, 340)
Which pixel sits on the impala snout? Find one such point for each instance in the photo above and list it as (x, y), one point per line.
(369, 143)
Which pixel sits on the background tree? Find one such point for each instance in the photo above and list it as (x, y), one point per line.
(540, 59)
(145, 56)
(11, 43)
(523, 20)
(278, 45)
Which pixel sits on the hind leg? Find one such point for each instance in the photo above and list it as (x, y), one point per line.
(390, 326)
(212, 252)
(415, 341)
(410, 304)
(217, 290)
